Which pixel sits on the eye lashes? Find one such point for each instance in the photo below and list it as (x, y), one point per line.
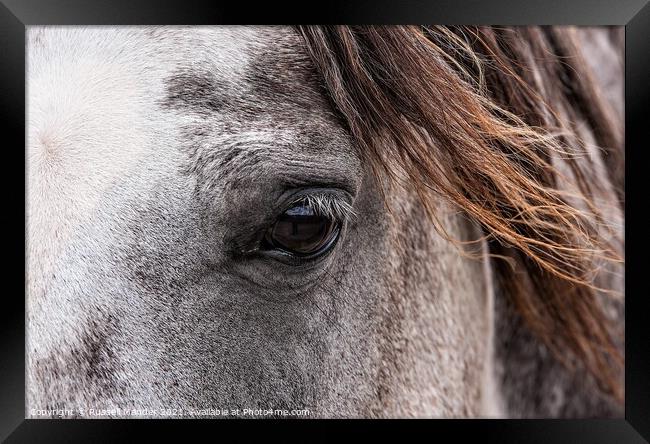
(329, 205)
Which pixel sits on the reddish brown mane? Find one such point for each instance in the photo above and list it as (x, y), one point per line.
(473, 114)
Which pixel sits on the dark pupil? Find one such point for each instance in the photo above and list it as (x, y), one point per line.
(301, 231)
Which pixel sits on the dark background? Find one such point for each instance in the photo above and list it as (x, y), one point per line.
(635, 14)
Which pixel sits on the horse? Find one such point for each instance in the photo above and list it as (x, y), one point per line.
(326, 221)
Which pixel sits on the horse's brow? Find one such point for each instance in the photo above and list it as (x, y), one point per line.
(295, 154)
(194, 90)
(265, 85)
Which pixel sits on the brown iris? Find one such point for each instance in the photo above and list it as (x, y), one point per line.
(301, 231)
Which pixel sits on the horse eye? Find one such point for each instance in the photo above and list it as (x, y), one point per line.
(302, 232)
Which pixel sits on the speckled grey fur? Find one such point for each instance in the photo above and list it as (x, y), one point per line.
(156, 156)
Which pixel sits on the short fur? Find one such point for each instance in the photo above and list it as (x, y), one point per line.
(156, 156)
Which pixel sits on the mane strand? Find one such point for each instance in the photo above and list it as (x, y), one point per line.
(473, 114)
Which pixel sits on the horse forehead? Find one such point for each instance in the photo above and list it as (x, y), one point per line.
(230, 54)
(252, 71)
(114, 82)
(270, 111)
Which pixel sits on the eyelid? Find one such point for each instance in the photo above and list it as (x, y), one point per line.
(327, 202)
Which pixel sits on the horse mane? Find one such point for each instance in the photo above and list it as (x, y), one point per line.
(481, 116)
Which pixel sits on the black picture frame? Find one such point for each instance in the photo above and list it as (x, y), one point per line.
(16, 15)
